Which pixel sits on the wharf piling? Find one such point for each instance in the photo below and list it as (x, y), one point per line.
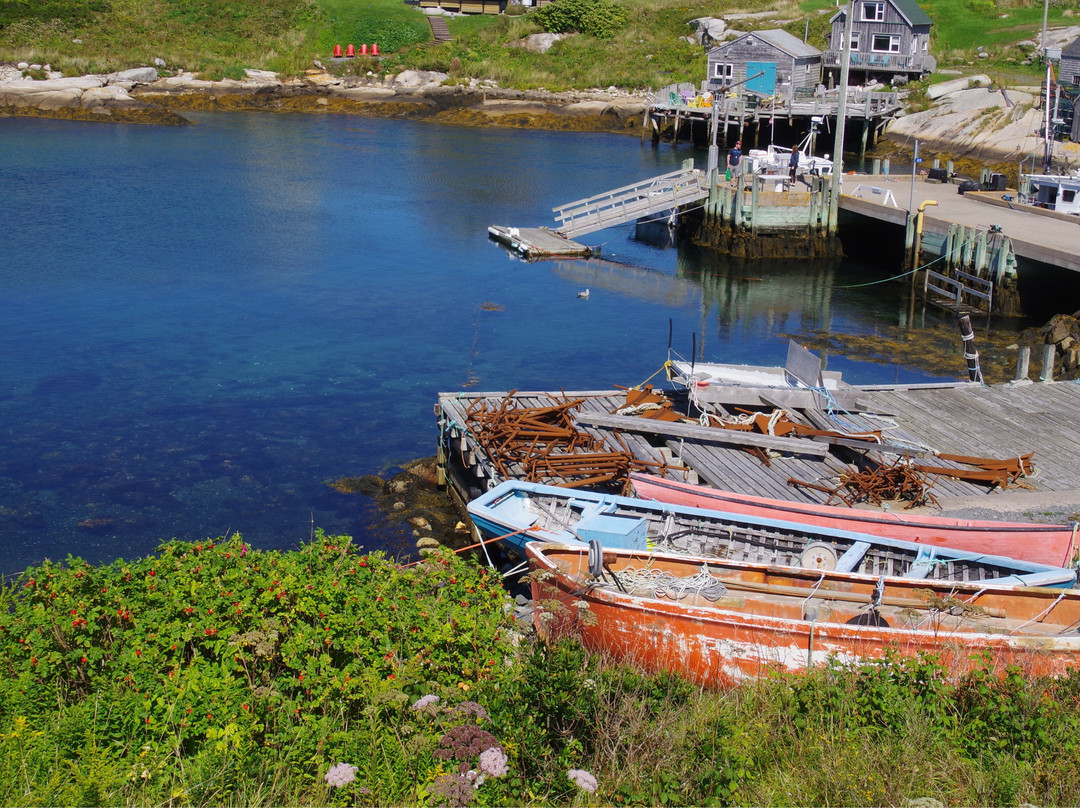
(766, 216)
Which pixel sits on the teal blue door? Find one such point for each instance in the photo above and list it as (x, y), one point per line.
(765, 83)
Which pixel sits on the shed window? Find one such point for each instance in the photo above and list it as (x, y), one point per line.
(886, 43)
(723, 71)
(873, 12)
(1076, 79)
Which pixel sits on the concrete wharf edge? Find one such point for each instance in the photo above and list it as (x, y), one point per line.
(999, 421)
(1052, 240)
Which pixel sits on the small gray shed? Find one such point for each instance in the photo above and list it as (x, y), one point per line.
(1069, 71)
(786, 64)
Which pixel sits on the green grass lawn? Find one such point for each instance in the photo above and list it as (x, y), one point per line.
(222, 37)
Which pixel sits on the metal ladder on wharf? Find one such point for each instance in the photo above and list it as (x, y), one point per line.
(658, 197)
(439, 30)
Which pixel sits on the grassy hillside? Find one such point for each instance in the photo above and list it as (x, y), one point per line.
(222, 37)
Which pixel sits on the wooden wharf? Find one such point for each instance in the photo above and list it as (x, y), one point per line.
(745, 116)
(1003, 421)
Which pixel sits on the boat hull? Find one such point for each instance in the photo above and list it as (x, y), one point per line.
(743, 636)
(1043, 544)
(517, 512)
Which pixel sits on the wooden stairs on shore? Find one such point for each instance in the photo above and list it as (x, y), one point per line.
(439, 30)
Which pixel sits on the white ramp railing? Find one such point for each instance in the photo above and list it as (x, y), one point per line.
(652, 197)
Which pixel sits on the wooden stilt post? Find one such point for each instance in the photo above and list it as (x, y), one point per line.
(970, 354)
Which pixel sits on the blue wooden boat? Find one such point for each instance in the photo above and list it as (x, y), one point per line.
(516, 512)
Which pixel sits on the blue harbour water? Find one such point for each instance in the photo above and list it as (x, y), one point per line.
(202, 326)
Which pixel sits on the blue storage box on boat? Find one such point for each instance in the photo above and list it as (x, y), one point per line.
(613, 531)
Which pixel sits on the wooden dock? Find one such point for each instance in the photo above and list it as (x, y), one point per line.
(746, 117)
(1001, 421)
(539, 242)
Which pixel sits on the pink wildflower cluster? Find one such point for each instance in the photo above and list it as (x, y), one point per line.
(493, 762)
(340, 775)
(426, 703)
(583, 780)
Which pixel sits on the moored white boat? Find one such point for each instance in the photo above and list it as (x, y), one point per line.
(1057, 192)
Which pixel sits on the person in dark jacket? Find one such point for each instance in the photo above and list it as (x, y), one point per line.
(734, 159)
(793, 164)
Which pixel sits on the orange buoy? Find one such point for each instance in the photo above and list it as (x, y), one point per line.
(374, 50)
(337, 51)
(350, 52)
(363, 50)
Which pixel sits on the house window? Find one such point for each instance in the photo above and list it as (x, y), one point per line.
(873, 12)
(854, 41)
(886, 43)
(723, 72)
(1076, 79)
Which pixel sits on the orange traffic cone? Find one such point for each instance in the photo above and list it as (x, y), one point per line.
(374, 50)
(350, 52)
(337, 51)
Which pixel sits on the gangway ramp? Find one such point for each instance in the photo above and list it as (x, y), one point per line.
(653, 197)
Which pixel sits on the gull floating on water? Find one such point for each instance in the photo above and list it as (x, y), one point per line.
(584, 294)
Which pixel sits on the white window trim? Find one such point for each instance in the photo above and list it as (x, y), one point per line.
(878, 9)
(894, 43)
(854, 41)
(723, 70)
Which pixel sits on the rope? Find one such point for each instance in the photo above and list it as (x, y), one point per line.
(1041, 614)
(637, 410)
(909, 272)
(661, 583)
(663, 369)
(478, 544)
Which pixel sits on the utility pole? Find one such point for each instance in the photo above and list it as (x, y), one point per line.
(841, 112)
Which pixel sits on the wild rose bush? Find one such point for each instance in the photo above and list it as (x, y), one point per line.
(204, 667)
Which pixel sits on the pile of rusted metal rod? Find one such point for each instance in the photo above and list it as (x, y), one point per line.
(543, 444)
(899, 481)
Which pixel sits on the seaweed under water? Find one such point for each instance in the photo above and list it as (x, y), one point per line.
(936, 349)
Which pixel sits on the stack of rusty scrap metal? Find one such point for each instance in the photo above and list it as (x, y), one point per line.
(898, 481)
(543, 444)
(909, 481)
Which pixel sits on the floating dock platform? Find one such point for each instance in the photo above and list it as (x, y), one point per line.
(539, 242)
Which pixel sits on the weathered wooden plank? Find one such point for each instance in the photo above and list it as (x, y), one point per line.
(704, 433)
(785, 398)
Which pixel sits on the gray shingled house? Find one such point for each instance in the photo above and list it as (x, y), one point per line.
(889, 38)
(1069, 69)
(787, 64)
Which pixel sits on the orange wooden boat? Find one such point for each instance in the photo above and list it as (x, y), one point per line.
(720, 622)
(1044, 544)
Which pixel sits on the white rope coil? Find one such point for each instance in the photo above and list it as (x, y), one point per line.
(663, 584)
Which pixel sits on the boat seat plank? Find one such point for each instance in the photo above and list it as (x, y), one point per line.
(850, 559)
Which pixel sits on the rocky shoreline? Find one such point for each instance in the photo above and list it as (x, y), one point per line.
(142, 96)
(970, 119)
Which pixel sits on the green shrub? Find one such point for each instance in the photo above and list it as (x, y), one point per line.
(598, 18)
(207, 666)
